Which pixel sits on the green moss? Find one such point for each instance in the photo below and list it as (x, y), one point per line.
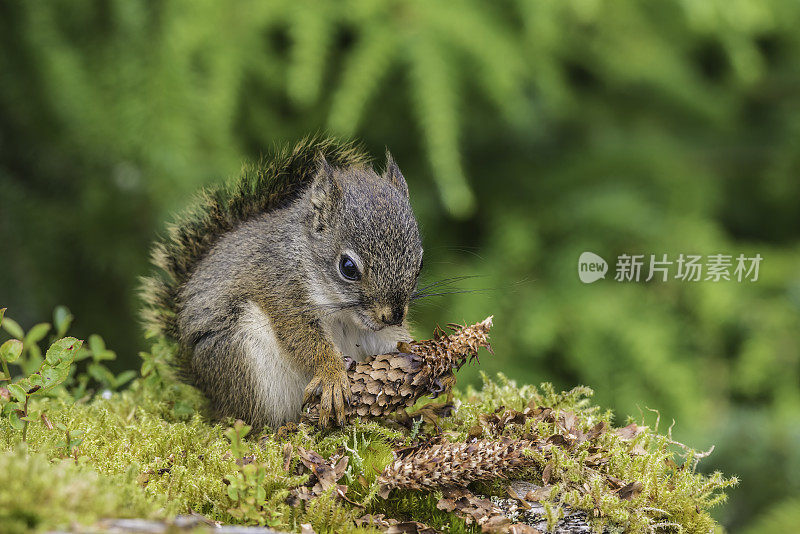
(44, 493)
(149, 452)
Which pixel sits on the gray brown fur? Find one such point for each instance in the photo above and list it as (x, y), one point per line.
(250, 274)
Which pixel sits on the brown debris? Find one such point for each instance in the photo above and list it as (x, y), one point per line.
(502, 524)
(386, 383)
(547, 472)
(539, 494)
(513, 494)
(47, 422)
(394, 526)
(596, 431)
(481, 511)
(630, 491)
(288, 449)
(286, 431)
(470, 507)
(325, 474)
(629, 432)
(568, 431)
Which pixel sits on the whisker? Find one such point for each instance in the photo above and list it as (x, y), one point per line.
(428, 304)
(454, 292)
(448, 281)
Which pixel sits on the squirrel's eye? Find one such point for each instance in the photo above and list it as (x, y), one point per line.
(348, 268)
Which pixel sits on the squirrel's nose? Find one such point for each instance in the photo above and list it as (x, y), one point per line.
(396, 316)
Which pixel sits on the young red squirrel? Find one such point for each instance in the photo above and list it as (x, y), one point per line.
(268, 283)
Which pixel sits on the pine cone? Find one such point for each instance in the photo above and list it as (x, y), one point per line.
(455, 465)
(386, 383)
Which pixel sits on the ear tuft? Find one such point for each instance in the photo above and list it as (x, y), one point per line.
(394, 175)
(326, 193)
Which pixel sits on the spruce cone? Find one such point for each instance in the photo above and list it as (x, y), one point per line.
(386, 383)
(455, 464)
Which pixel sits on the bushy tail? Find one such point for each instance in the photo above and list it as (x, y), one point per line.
(272, 183)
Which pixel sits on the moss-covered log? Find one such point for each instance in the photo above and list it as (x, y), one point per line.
(148, 453)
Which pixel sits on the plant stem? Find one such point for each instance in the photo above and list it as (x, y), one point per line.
(6, 372)
(25, 420)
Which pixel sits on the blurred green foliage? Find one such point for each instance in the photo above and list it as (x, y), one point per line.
(529, 131)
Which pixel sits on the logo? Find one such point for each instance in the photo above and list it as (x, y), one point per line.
(591, 267)
(662, 268)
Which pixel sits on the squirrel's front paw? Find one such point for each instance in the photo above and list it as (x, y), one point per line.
(334, 387)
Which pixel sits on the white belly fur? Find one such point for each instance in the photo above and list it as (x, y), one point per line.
(357, 342)
(281, 385)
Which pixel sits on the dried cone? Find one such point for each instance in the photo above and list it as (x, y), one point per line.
(383, 384)
(451, 465)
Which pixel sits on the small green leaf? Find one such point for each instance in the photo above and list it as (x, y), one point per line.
(61, 426)
(62, 319)
(53, 376)
(25, 383)
(82, 354)
(101, 374)
(37, 333)
(63, 350)
(147, 367)
(13, 418)
(105, 355)
(2, 313)
(96, 344)
(10, 406)
(36, 380)
(17, 392)
(35, 354)
(249, 469)
(13, 328)
(124, 377)
(11, 350)
(80, 390)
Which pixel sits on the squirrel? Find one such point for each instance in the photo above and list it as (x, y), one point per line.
(268, 283)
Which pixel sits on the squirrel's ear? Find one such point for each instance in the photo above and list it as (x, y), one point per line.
(394, 175)
(325, 194)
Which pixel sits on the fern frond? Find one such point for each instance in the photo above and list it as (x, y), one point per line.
(311, 28)
(475, 29)
(434, 90)
(364, 68)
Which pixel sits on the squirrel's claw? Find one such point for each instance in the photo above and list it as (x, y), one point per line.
(312, 389)
(338, 405)
(325, 406)
(334, 398)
